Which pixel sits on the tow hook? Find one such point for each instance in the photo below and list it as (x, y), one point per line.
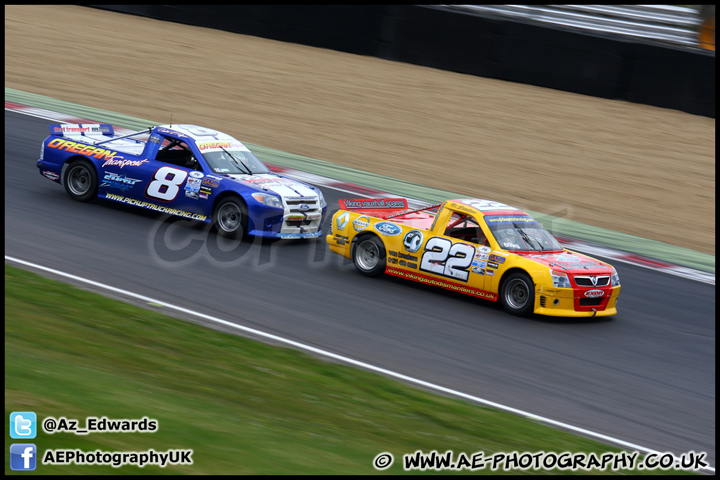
(594, 312)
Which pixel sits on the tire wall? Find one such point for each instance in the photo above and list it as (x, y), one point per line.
(598, 65)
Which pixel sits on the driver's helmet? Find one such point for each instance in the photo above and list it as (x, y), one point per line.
(192, 162)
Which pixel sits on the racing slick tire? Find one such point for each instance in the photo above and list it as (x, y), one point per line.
(517, 294)
(369, 256)
(80, 181)
(230, 219)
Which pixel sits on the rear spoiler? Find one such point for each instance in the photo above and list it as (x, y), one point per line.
(373, 204)
(81, 129)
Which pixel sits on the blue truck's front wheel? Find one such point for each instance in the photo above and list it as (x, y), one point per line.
(230, 218)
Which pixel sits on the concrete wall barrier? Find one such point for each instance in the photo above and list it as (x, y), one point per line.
(597, 64)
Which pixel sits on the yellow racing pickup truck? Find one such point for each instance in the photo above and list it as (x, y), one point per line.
(477, 247)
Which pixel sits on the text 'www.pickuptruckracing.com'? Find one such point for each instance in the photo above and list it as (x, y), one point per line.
(524, 461)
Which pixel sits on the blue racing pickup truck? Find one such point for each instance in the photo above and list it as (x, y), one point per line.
(183, 170)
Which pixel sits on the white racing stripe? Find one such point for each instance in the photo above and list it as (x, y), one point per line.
(347, 360)
(285, 187)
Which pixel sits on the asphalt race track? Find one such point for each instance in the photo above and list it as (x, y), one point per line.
(646, 376)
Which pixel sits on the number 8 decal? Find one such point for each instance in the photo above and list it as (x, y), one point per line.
(442, 257)
(166, 184)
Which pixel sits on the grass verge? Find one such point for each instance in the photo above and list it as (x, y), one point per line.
(242, 406)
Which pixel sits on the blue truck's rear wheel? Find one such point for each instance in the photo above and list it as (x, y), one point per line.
(80, 181)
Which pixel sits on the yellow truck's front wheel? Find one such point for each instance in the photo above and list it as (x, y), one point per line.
(517, 294)
(369, 256)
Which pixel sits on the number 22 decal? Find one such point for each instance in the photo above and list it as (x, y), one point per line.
(442, 257)
(166, 184)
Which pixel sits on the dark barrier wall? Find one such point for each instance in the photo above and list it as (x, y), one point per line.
(597, 65)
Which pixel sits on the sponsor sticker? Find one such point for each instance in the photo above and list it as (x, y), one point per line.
(103, 128)
(192, 185)
(83, 149)
(50, 175)
(594, 293)
(462, 208)
(122, 163)
(361, 223)
(496, 258)
(551, 291)
(299, 235)
(342, 220)
(576, 266)
(407, 257)
(196, 174)
(121, 182)
(412, 240)
(566, 258)
(417, 277)
(388, 229)
(157, 208)
(172, 132)
(219, 145)
(268, 182)
(509, 219)
(374, 203)
(210, 182)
